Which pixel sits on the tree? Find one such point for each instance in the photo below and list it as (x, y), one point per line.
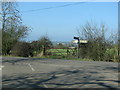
(112, 52)
(7, 42)
(10, 15)
(12, 28)
(36, 47)
(45, 44)
(95, 35)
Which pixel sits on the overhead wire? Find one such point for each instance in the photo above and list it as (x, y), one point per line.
(66, 5)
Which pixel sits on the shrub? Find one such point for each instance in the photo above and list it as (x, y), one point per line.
(22, 49)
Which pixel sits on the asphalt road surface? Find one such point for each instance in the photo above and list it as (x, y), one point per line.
(56, 73)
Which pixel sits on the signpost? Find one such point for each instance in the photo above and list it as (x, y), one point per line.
(77, 38)
(78, 41)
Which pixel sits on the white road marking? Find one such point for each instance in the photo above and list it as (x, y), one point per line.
(44, 85)
(31, 67)
(53, 65)
(58, 75)
(1, 67)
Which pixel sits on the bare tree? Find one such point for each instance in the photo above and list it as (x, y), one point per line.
(45, 43)
(12, 28)
(10, 15)
(96, 40)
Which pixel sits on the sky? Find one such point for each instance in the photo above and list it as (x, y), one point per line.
(60, 23)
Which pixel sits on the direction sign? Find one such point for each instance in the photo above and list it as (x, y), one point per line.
(75, 41)
(81, 41)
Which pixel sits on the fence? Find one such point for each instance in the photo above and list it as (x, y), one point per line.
(62, 52)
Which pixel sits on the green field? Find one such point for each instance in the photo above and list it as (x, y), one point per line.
(60, 51)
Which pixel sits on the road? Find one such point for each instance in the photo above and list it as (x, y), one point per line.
(56, 73)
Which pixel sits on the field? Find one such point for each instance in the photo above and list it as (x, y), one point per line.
(61, 53)
(58, 51)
